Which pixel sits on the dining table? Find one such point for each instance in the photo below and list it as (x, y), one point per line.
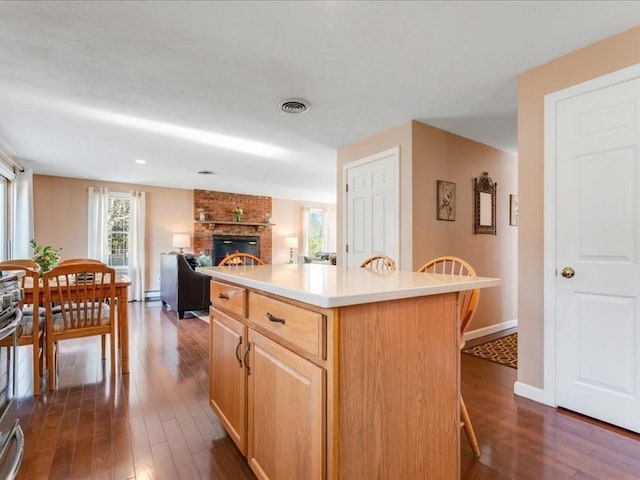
(122, 315)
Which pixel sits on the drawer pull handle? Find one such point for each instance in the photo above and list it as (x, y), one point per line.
(275, 319)
(238, 351)
(223, 296)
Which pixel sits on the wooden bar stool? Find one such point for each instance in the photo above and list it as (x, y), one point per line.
(468, 303)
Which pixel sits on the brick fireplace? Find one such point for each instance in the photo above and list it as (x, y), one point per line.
(217, 209)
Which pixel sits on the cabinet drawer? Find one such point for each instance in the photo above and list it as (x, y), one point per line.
(228, 297)
(303, 329)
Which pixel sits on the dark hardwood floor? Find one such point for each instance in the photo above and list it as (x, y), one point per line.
(156, 421)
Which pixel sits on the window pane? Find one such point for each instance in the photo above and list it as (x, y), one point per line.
(118, 232)
(316, 235)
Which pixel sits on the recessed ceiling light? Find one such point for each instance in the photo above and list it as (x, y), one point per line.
(206, 172)
(294, 105)
(141, 161)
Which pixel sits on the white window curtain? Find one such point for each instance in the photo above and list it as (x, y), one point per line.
(22, 214)
(5, 218)
(97, 223)
(305, 230)
(137, 246)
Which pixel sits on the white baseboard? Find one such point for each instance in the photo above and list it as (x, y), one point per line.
(481, 332)
(532, 393)
(152, 295)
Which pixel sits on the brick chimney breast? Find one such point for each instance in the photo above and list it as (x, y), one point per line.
(218, 206)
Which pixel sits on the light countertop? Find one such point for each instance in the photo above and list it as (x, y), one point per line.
(333, 286)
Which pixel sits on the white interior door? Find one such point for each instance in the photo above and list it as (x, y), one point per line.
(598, 237)
(371, 202)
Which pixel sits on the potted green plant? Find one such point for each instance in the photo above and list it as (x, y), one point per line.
(237, 214)
(45, 256)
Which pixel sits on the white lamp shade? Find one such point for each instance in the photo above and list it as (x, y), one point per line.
(291, 242)
(181, 240)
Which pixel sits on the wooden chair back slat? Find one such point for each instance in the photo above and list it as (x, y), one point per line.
(240, 258)
(380, 263)
(80, 260)
(450, 265)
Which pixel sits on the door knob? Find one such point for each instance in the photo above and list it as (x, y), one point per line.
(567, 272)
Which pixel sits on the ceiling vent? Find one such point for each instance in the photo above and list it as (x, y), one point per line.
(294, 105)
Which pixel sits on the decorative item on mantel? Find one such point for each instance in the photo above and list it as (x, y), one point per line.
(202, 215)
(237, 214)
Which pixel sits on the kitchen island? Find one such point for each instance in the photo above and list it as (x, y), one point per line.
(324, 372)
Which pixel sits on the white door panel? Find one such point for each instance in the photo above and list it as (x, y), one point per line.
(598, 236)
(371, 207)
(379, 204)
(360, 210)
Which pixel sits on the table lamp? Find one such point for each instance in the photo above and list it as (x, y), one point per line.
(291, 242)
(181, 241)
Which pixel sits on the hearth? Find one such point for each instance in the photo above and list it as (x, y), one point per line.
(226, 244)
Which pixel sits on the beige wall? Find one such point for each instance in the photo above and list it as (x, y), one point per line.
(60, 211)
(287, 216)
(60, 217)
(440, 155)
(428, 154)
(606, 56)
(288, 219)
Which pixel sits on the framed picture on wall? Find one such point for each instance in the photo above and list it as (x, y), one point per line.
(446, 201)
(514, 211)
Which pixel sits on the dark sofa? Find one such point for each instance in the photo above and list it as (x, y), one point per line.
(181, 287)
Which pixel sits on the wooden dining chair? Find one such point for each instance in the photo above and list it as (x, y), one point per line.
(468, 299)
(66, 261)
(240, 258)
(32, 327)
(80, 302)
(380, 263)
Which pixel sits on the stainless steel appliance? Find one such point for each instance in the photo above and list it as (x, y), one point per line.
(11, 436)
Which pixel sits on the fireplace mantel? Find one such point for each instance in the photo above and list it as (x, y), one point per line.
(212, 224)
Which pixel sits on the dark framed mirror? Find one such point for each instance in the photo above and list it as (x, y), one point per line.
(485, 204)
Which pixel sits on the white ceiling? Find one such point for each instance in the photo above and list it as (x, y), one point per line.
(88, 87)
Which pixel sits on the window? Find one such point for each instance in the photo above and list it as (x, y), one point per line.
(116, 233)
(4, 215)
(315, 231)
(118, 219)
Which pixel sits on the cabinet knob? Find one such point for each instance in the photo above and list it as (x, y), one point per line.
(224, 296)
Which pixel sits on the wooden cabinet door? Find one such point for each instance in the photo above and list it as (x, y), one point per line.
(286, 413)
(227, 377)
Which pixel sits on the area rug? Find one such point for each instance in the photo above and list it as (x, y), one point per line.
(503, 350)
